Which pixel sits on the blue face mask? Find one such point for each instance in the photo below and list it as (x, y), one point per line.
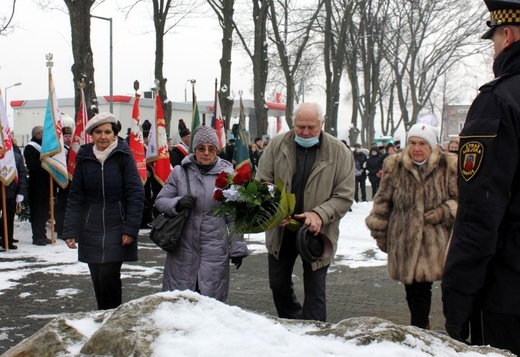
(306, 143)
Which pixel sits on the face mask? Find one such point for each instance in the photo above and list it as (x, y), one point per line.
(306, 143)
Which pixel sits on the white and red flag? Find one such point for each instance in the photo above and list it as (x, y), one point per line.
(136, 140)
(7, 162)
(157, 152)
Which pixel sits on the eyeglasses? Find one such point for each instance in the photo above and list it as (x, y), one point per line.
(202, 149)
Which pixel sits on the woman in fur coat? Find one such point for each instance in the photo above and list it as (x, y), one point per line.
(413, 214)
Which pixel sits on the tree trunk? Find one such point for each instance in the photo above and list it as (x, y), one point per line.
(83, 66)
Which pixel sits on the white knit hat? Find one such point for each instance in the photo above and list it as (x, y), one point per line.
(424, 131)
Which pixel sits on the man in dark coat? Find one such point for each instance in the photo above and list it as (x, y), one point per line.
(373, 166)
(14, 195)
(182, 149)
(361, 176)
(61, 196)
(482, 270)
(38, 187)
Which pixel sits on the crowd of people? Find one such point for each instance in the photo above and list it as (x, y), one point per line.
(446, 214)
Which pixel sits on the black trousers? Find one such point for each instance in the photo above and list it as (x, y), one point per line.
(419, 298)
(281, 284)
(38, 213)
(59, 209)
(106, 278)
(10, 208)
(501, 331)
(375, 187)
(361, 185)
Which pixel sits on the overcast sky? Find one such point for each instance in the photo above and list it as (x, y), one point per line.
(191, 52)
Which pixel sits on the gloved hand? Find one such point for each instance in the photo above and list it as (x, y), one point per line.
(187, 201)
(237, 261)
(434, 216)
(19, 198)
(459, 333)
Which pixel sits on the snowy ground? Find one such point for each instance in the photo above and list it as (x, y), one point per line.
(210, 323)
(355, 249)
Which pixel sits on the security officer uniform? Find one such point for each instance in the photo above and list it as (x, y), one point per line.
(482, 270)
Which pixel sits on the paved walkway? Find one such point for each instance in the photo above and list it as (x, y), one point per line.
(350, 293)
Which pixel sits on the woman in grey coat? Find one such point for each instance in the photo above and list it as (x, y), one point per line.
(201, 262)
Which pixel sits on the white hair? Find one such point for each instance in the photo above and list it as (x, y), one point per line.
(316, 107)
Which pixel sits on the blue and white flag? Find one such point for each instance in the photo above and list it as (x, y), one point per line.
(52, 154)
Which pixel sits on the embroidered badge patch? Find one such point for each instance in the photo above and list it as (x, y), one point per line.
(470, 158)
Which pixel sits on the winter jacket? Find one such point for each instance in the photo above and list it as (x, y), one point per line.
(359, 160)
(416, 248)
(373, 165)
(484, 253)
(19, 185)
(329, 190)
(202, 259)
(105, 201)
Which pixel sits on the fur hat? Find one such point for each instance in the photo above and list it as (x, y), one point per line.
(67, 124)
(183, 130)
(146, 128)
(424, 131)
(99, 119)
(205, 134)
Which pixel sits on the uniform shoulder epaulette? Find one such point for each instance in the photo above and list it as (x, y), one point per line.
(492, 84)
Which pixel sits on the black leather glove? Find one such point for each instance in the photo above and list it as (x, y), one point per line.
(459, 333)
(237, 261)
(187, 201)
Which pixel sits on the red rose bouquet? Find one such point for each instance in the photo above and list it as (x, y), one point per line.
(256, 206)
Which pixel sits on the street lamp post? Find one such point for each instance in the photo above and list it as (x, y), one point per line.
(5, 91)
(111, 62)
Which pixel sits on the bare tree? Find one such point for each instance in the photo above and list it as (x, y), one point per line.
(423, 43)
(365, 66)
(291, 37)
(259, 58)
(224, 9)
(83, 66)
(5, 20)
(338, 15)
(166, 15)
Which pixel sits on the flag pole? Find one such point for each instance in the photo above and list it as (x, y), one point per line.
(215, 105)
(4, 216)
(51, 198)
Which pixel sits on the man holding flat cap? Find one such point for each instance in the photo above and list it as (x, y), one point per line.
(481, 281)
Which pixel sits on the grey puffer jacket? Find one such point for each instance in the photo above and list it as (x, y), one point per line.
(202, 259)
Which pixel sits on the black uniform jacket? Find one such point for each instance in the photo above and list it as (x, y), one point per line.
(484, 254)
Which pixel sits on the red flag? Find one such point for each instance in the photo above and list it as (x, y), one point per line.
(80, 136)
(136, 140)
(159, 155)
(241, 157)
(218, 124)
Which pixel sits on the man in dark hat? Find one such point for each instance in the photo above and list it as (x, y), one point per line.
(482, 270)
(181, 150)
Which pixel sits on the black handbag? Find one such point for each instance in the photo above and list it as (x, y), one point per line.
(167, 231)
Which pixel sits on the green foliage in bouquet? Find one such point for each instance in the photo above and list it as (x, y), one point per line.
(255, 205)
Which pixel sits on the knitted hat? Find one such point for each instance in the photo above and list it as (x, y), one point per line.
(99, 119)
(205, 134)
(424, 131)
(183, 130)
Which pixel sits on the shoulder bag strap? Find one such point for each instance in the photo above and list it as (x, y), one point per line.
(187, 179)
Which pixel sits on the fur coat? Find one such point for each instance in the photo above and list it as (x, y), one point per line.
(416, 245)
